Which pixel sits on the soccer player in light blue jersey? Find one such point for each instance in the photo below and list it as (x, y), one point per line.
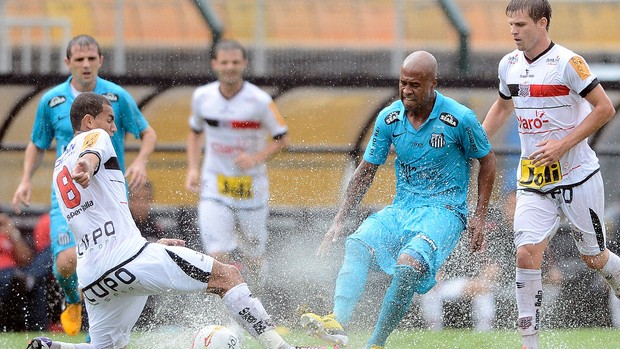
(434, 138)
(52, 121)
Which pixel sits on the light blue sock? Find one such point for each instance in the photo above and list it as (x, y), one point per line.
(351, 280)
(396, 302)
(69, 286)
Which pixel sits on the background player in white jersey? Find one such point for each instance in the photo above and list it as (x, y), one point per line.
(84, 59)
(117, 268)
(558, 103)
(237, 117)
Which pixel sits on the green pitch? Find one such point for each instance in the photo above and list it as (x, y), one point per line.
(448, 339)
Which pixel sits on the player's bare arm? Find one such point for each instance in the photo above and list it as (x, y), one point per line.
(32, 159)
(84, 169)
(136, 172)
(552, 150)
(192, 181)
(486, 178)
(498, 114)
(356, 189)
(246, 161)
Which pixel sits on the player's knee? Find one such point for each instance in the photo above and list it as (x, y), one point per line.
(596, 262)
(224, 277)
(529, 257)
(66, 262)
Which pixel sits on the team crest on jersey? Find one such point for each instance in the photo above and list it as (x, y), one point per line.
(90, 140)
(524, 90)
(580, 67)
(448, 119)
(112, 97)
(391, 117)
(57, 101)
(437, 140)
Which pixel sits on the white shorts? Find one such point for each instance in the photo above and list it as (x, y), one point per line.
(114, 302)
(218, 223)
(537, 216)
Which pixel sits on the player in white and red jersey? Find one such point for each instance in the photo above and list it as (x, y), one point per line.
(237, 118)
(558, 104)
(117, 268)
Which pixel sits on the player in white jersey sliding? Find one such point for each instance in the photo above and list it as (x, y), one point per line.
(558, 103)
(236, 118)
(117, 268)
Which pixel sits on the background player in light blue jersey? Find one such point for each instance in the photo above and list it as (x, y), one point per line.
(84, 60)
(434, 138)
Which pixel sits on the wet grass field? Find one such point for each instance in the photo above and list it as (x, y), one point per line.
(586, 338)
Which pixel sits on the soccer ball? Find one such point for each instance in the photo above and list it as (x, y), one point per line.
(215, 337)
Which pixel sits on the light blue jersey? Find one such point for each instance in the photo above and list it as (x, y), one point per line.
(432, 163)
(429, 209)
(53, 121)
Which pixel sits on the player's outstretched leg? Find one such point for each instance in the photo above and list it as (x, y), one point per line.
(40, 343)
(395, 303)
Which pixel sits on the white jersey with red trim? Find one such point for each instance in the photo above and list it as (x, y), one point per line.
(98, 215)
(237, 125)
(548, 95)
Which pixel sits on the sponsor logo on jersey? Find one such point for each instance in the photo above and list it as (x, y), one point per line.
(472, 141)
(580, 67)
(535, 123)
(513, 59)
(448, 119)
(526, 75)
(553, 61)
(56, 101)
(437, 140)
(112, 97)
(90, 140)
(391, 117)
(396, 135)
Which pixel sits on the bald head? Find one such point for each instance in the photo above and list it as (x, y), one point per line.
(421, 62)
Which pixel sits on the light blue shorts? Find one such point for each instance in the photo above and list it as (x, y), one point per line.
(60, 235)
(429, 232)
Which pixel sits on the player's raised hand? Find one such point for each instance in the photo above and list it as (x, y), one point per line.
(82, 172)
(333, 234)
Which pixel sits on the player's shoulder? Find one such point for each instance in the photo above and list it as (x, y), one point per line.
(206, 89)
(452, 111)
(511, 58)
(110, 90)
(56, 96)
(255, 92)
(391, 115)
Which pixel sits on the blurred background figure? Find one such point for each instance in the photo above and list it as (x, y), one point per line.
(141, 207)
(25, 268)
(236, 118)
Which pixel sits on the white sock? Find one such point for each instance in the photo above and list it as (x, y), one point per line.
(61, 345)
(529, 302)
(611, 273)
(249, 312)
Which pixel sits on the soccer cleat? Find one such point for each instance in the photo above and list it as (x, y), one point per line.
(71, 318)
(40, 343)
(325, 327)
(374, 346)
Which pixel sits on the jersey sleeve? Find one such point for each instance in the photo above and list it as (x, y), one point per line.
(579, 77)
(42, 129)
(378, 147)
(132, 118)
(274, 121)
(98, 142)
(473, 137)
(195, 122)
(504, 91)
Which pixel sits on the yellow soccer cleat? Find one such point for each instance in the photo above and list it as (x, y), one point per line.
(376, 347)
(71, 318)
(325, 327)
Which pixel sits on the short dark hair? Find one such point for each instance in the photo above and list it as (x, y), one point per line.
(86, 103)
(536, 9)
(82, 41)
(227, 44)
